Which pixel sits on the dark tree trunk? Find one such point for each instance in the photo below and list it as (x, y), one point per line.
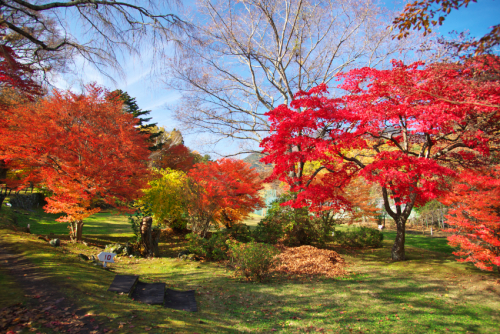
(2, 198)
(400, 216)
(76, 232)
(150, 237)
(398, 249)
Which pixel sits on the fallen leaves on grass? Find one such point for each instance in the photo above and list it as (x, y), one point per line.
(309, 260)
(17, 317)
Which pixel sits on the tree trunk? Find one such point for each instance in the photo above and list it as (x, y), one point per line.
(398, 249)
(76, 232)
(155, 237)
(2, 198)
(147, 237)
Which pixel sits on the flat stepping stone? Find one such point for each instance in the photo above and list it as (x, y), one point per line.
(149, 293)
(181, 300)
(123, 283)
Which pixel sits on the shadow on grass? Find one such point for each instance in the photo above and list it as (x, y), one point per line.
(386, 297)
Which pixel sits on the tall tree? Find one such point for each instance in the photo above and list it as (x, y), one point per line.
(130, 106)
(41, 31)
(407, 129)
(78, 146)
(474, 217)
(249, 56)
(425, 14)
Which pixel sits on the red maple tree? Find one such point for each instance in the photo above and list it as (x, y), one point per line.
(220, 188)
(79, 147)
(405, 129)
(16, 76)
(475, 217)
(173, 156)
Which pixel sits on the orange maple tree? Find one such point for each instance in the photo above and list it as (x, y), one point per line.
(79, 147)
(226, 190)
(474, 217)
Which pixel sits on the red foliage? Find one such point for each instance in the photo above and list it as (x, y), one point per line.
(406, 129)
(224, 184)
(177, 157)
(16, 75)
(475, 218)
(78, 146)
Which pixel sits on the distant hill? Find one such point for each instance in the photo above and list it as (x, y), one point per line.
(254, 158)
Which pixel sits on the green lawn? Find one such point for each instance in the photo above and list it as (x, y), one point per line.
(421, 241)
(103, 223)
(429, 293)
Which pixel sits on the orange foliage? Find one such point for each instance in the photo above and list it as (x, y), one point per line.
(226, 188)
(310, 261)
(79, 147)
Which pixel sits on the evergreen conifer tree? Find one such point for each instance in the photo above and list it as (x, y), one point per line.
(130, 106)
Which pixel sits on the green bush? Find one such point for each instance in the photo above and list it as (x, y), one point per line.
(292, 226)
(252, 260)
(213, 248)
(359, 237)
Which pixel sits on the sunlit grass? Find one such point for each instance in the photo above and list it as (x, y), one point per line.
(429, 293)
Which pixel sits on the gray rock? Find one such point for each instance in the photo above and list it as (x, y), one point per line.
(55, 242)
(184, 252)
(83, 257)
(117, 249)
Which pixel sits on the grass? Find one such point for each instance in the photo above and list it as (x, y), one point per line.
(109, 224)
(436, 244)
(429, 293)
(11, 292)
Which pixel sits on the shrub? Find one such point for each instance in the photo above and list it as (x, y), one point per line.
(292, 226)
(252, 260)
(359, 237)
(213, 248)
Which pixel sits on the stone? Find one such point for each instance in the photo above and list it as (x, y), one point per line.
(117, 249)
(55, 242)
(184, 252)
(149, 293)
(83, 257)
(123, 284)
(181, 300)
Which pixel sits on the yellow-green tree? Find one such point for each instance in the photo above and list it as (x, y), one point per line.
(166, 199)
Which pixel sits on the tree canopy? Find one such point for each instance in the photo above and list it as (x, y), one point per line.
(407, 129)
(79, 147)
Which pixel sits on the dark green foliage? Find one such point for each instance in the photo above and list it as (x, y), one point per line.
(359, 237)
(292, 226)
(215, 248)
(130, 106)
(135, 220)
(252, 260)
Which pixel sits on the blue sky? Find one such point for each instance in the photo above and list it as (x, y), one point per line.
(477, 18)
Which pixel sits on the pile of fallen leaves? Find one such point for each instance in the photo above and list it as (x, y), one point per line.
(310, 261)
